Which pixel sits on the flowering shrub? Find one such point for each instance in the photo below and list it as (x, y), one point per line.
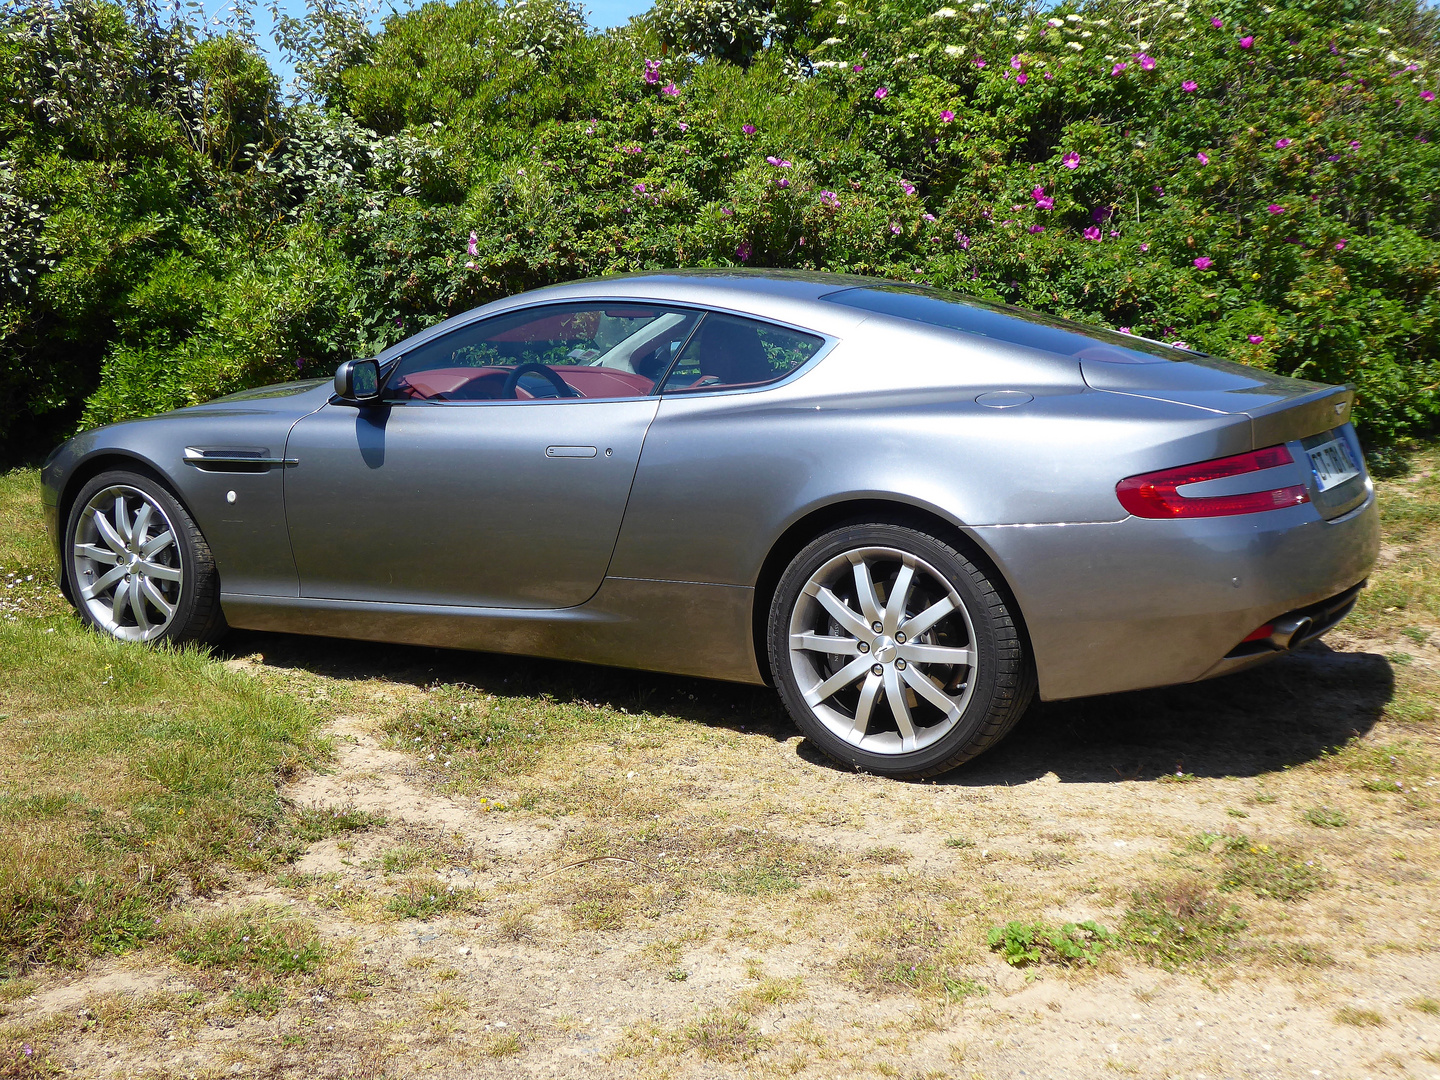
(1260, 183)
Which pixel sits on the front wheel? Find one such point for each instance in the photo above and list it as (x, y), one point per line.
(136, 564)
(895, 653)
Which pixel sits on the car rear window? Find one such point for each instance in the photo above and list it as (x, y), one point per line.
(955, 311)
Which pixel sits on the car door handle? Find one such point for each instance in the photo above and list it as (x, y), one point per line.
(570, 451)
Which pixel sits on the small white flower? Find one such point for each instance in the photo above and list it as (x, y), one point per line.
(1074, 45)
(953, 50)
(1072, 18)
(945, 13)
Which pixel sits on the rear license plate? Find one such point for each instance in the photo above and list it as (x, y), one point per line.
(1332, 464)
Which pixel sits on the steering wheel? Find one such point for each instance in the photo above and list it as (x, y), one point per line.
(512, 381)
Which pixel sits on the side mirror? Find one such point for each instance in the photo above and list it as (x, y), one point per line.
(357, 382)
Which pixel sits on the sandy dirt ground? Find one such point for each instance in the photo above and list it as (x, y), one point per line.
(699, 894)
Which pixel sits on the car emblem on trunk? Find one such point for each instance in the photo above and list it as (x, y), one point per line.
(1340, 407)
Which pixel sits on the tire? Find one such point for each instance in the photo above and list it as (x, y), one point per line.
(157, 581)
(945, 678)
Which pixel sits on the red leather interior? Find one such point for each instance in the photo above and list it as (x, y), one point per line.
(485, 383)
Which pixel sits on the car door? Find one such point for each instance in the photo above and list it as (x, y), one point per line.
(497, 470)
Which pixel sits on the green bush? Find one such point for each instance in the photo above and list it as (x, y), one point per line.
(1258, 182)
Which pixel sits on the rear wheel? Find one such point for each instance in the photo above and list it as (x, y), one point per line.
(895, 653)
(137, 566)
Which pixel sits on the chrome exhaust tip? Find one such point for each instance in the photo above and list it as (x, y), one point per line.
(1289, 631)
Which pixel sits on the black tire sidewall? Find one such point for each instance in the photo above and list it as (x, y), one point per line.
(980, 599)
(182, 627)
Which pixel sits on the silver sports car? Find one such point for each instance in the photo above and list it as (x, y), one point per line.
(908, 510)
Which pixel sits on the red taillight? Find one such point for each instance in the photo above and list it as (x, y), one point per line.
(1260, 633)
(1154, 495)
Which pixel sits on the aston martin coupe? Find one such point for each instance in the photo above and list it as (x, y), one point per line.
(908, 510)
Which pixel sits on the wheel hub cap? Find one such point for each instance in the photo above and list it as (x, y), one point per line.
(885, 649)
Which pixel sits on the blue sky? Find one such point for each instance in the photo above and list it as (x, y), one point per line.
(601, 14)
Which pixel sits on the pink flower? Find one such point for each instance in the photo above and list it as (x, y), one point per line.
(684, 126)
(858, 68)
(784, 181)
(1281, 144)
(1189, 86)
(908, 187)
(1022, 78)
(652, 71)
(743, 251)
(1204, 262)
(1275, 208)
(1355, 144)
(1256, 339)
(725, 211)
(894, 228)
(830, 199)
(1124, 330)
(1071, 160)
(1427, 95)
(928, 217)
(748, 129)
(640, 189)
(670, 89)
(946, 116)
(1203, 158)
(474, 246)
(1049, 75)
(1340, 245)
(779, 163)
(962, 240)
(1147, 63)
(881, 93)
(1092, 233)
(1037, 228)
(1144, 247)
(1247, 41)
(979, 62)
(470, 265)
(1217, 23)
(1015, 62)
(1118, 68)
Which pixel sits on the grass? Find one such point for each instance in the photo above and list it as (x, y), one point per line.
(1181, 923)
(128, 775)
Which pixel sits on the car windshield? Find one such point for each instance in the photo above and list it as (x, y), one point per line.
(955, 311)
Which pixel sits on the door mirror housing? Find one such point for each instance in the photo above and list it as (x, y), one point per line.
(357, 382)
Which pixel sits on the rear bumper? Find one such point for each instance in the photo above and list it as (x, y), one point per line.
(1140, 603)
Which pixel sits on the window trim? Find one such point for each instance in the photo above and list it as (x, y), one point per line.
(827, 344)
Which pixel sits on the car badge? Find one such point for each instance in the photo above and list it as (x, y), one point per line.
(1340, 407)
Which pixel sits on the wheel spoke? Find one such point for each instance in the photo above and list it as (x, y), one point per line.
(156, 570)
(142, 522)
(96, 553)
(122, 519)
(119, 603)
(865, 590)
(840, 611)
(103, 582)
(895, 694)
(821, 643)
(916, 625)
(936, 654)
(841, 679)
(922, 685)
(108, 534)
(868, 693)
(137, 605)
(155, 596)
(156, 544)
(899, 596)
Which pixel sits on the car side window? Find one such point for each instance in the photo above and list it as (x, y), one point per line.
(583, 350)
(729, 351)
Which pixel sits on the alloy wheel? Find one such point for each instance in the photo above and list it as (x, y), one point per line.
(883, 650)
(126, 562)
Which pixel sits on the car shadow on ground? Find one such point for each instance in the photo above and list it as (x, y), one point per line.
(1291, 711)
